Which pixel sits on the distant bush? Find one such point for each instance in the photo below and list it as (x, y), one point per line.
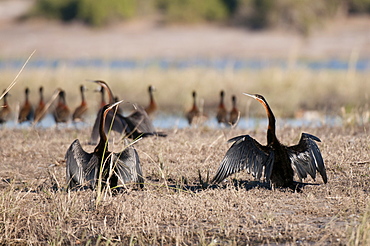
(359, 6)
(301, 15)
(97, 12)
(193, 11)
(56, 9)
(92, 12)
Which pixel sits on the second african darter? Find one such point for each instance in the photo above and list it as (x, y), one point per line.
(274, 162)
(134, 125)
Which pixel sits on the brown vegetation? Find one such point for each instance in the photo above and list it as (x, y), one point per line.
(329, 92)
(173, 208)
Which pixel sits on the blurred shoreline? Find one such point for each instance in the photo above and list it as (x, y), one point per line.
(343, 39)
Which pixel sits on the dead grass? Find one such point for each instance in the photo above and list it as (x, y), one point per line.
(287, 90)
(173, 209)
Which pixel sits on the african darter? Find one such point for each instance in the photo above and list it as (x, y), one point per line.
(274, 162)
(134, 125)
(84, 169)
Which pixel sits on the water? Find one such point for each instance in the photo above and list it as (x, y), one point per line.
(166, 63)
(164, 121)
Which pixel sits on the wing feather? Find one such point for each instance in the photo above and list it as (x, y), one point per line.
(127, 166)
(76, 161)
(245, 153)
(306, 157)
(140, 120)
(141, 124)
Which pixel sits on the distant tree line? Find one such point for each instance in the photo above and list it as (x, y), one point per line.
(300, 15)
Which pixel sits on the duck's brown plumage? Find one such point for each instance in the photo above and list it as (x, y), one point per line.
(40, 109)
(5, 110)
(152, 107)
(194, 112)
(26, 112)
(221, 110)
(81, 110)
(61, 112)
(234, 113)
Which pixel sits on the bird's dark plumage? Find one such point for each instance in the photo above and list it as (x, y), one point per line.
(138, 124)
(273, 162)
(103, 102)
(83, 168)
(306, 157)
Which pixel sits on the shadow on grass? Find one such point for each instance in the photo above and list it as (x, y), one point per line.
(241, 184)
(170, 184)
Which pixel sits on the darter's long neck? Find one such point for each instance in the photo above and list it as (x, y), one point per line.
(103, 144)
(271, 135)
(110, 95)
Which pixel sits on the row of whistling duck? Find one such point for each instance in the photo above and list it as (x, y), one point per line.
(63, 114)
(195, 116)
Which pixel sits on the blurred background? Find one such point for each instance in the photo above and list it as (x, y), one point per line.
(310, 59)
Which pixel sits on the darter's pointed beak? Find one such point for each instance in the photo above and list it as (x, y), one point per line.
(250, 95)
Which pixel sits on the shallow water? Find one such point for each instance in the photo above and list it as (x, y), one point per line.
(164, 121)
(165, 63)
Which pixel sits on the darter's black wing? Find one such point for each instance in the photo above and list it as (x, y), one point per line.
(81, 166)
(246, 153)
(306, 157)
(127, 166)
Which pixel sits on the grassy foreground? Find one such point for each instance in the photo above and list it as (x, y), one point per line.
(172, 208)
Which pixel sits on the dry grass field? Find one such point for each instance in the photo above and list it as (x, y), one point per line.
(174, 208)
